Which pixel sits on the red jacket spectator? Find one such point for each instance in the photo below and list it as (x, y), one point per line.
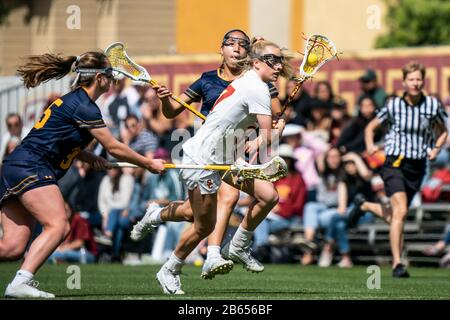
(292, 195)
(81, 230)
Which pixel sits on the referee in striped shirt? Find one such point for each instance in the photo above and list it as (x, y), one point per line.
(416, 133)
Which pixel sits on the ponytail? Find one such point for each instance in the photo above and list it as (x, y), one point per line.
(42, 68)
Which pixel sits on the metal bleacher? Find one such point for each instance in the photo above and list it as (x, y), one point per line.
(424, 226)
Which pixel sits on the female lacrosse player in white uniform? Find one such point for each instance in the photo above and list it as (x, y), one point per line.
(207, 88)
(245, 103)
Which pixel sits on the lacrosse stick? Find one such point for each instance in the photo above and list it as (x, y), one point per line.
(272, 171)
(122, 63)
(318, 50)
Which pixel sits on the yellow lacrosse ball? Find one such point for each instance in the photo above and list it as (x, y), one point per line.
(312, 59)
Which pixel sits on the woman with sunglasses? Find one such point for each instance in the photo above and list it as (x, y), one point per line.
(235, 47)
(28, 185)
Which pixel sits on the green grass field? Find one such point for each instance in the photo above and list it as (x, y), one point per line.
(115, 281)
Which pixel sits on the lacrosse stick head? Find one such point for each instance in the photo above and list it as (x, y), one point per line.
(271, 171)
(123, 64)
(318, 50)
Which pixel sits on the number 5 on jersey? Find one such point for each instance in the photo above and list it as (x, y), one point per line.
(47, 114)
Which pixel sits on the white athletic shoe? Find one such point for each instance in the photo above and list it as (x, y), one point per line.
(146, 224)
(27, 290)
(242, 255)
(215, 265)
(169, 281)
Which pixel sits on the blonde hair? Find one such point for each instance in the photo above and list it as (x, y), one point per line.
(256, 50)
(42, 68)
(411, 67)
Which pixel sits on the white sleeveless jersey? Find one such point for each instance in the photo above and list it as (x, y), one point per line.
(235, 110)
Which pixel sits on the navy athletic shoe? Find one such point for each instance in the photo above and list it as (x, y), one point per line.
(400, 271)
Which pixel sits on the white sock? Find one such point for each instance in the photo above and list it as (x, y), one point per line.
(22, 276)
(213, 251)
(155, 217)
(174, 263)
(242, 237)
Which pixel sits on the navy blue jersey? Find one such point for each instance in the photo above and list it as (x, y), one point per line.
(61, 133)
(209, 87)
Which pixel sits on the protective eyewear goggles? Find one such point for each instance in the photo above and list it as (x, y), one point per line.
(108, 72)
(231, 41)
(272, 60)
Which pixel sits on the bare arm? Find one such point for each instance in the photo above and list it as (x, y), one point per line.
(342, 197)
(124, 153)
(265, 132)
(170, 108)
(369, 134)
(363, 170)
(440, 141)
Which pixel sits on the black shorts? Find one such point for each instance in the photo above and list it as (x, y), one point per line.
(403, 175)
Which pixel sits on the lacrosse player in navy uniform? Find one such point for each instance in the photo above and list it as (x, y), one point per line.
(28, 185)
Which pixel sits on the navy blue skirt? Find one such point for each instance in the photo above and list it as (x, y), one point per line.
(19, 176)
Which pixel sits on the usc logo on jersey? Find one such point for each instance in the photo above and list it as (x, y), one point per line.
(209, 184)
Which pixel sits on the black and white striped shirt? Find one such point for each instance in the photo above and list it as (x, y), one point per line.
(411, 126)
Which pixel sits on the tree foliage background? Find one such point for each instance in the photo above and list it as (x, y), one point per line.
(416, 23)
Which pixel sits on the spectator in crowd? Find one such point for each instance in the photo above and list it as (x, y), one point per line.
(80, 187)
(439, 247)
(152, 115)
(357, 178)
(320, 122)
(137, 138)
(292, 197)
(370, 87)
(114, 199)
(15, 128)
(331, 202)
(79, 246)
(339, 119)
(306, 149)
(352, 137)
(119, 103)
(300, 104)
(324, 93)
(11, 144)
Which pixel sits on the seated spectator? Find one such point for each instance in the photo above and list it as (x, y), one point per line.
(370, 87)
(139, 139)
(352, 136)
(79, 245)
(292, 196)
(114, 198)
(357, 178)
(80, 188)
(15, 128)
(339, 119)
(438, 249)
(11, 144)
(320, 122)
(324, 93)
(331, 205)
(306, 149)
(300, 104)
(151, 110)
